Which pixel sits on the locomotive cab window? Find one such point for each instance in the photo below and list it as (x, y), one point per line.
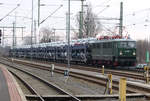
(131, 44)
(126, 44)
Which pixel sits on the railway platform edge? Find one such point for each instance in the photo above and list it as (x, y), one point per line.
(15, 92)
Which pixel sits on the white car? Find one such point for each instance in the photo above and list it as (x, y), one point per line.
(141, 66)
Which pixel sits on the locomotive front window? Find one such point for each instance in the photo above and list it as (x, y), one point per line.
(131, 44)
(122, 44)
(126, 45)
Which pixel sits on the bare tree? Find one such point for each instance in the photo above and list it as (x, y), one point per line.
(47, 35)
(27, 40)
(4, 51)
(91, 26)
(142, 47)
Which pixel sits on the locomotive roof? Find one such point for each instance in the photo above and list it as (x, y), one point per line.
(112, 40)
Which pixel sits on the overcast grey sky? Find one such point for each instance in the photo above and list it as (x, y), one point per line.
(136, 14)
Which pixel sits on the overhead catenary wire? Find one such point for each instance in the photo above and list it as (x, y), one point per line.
(9, 12)
(108, 29)
(51, 14)
(106, 2)
(144, 22)
(42, 4)
(134, 13)
(25, 17)
(103, 9)
(133, 24)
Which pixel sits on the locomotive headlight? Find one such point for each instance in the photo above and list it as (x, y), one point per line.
(120, 52)
(133, 53)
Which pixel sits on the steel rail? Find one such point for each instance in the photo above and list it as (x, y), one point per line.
(84, 97)
(131, 87)
(114, 72)
(87, 97)
(45, 81)
(99, 70)
(30, 88)
(94, 79)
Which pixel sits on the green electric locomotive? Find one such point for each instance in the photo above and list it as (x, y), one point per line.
(114, 51)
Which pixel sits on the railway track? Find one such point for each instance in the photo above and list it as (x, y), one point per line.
(38, 97)
(30, 88)
(102, 81)
(131, 88)
(128, 74)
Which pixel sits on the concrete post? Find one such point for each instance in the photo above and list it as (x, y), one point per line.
(122, 89)
(103, 69)
(110, 83)
(52, 69)
(146, 68)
